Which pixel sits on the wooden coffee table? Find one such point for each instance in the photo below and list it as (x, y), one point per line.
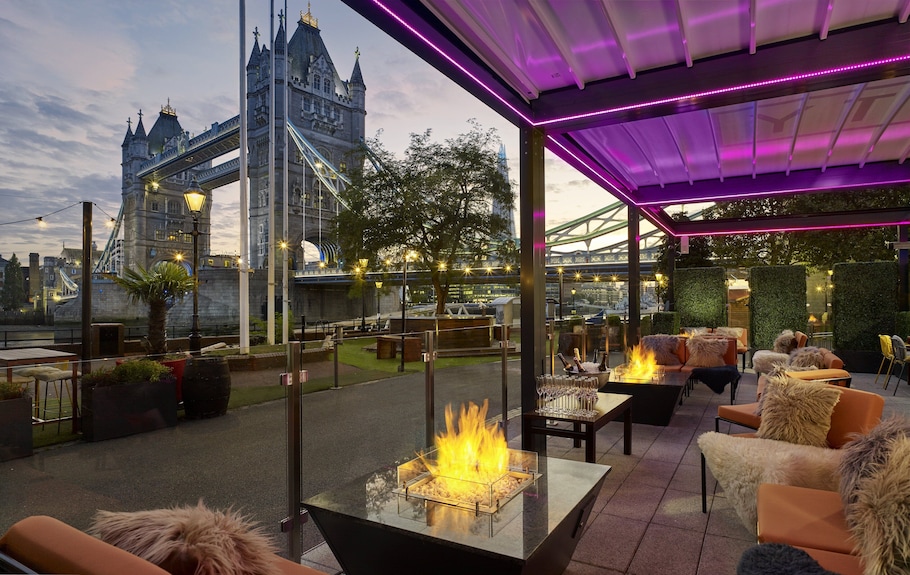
(609, 407)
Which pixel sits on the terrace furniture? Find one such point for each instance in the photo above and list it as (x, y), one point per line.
(717, 378)
(900, 356)
(887, 355)
(654, 402)
(31, 356)
(41, 544)
(862, 527)
(856, 412)
(609, 407)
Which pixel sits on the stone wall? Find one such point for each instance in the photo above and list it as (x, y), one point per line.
(219, 295)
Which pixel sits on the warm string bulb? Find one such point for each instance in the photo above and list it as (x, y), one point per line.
(41, 223)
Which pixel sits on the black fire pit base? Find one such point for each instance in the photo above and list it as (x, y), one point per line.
(372, 532)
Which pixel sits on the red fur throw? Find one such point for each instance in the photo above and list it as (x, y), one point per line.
(190, 540)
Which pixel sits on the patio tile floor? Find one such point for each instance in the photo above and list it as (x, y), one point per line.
(647, 519)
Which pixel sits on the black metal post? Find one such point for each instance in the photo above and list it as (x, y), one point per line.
(429, 387)
(195, 336)
(363, 303)
(404, 299)
(560, 294)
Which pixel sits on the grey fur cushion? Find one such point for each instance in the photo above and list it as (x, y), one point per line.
(806, 358)
(868, 453)
(785, 342)
(664, 348)
(879, 514)
(190, 540)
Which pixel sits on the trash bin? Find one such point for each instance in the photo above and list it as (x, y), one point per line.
(107, 339)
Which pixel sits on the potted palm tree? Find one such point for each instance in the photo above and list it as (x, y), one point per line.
(15, 421)
(159, 287)
(133, 397)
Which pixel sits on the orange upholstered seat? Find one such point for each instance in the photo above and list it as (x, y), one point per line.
(803, 517)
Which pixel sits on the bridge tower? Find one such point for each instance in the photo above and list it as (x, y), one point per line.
(329, 111)
(156, 223)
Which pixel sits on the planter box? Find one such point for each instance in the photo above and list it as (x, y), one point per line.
(15, 428)
(121, 410)
(862, 361)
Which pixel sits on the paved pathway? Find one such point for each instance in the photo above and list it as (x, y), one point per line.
(239, 459)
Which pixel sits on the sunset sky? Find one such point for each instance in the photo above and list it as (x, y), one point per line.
(74, 72)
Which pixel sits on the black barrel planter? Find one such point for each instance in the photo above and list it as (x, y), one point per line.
(206, 387)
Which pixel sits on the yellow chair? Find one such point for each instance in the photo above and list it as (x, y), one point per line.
(887, 355)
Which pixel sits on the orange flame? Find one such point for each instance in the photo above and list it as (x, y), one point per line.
(641, 364)
(473, 452)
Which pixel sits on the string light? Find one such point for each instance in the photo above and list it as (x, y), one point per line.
(41, 223)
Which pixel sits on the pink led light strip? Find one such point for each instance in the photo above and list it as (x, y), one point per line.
(451, 60)
(795, 229)
(640, 105)
(748, 86)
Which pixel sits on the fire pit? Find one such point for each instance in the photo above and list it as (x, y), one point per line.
(470, 506)
(655, 392)
(372, 530)
(417, 481)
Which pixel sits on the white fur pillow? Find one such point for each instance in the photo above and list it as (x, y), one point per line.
(741, 464)
(664, 348)
(706, 351)
(797, 411)
(190, 540)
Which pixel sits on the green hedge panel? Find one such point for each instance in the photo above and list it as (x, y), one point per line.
(666, 322)
(777, 301)
(864, 304)
(701, 296)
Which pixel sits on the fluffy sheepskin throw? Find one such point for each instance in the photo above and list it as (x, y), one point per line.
(785, 342)
(190, 540)
(797, 411)
(734, 332)
(764, 361)
(866, 454)
(664, 348)
(807, 358)
(879, 519)
(741, 464)
(706, 351)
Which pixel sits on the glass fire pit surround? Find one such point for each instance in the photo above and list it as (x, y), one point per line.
(373, 529)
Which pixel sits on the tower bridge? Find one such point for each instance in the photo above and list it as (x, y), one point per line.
(324, 123)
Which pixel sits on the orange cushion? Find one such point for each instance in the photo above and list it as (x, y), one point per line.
(826, 374)
(48, 545)
(741, 414)
(802, 517)
(841, 563)
(286, 567)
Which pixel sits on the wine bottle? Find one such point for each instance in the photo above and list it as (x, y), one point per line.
(565, 363)
(604, 364)
(578, 365)
(577, 355)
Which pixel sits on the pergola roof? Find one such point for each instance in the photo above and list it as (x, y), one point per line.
(664, 102)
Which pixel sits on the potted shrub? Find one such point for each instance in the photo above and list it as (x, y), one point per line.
(15, 421)
(133, 397)
(159, 287)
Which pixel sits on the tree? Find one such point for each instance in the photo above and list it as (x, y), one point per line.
(817, 249)
(159, 287)
(435, 203)
(13, 295)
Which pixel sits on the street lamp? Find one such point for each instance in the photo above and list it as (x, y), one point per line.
(659, 277)
(559, 271)
(195, 199)
(404, 299)
(573, 301)
(363, 302)
(378, 311)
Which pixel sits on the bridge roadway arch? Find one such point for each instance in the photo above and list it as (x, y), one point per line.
(223, 137)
